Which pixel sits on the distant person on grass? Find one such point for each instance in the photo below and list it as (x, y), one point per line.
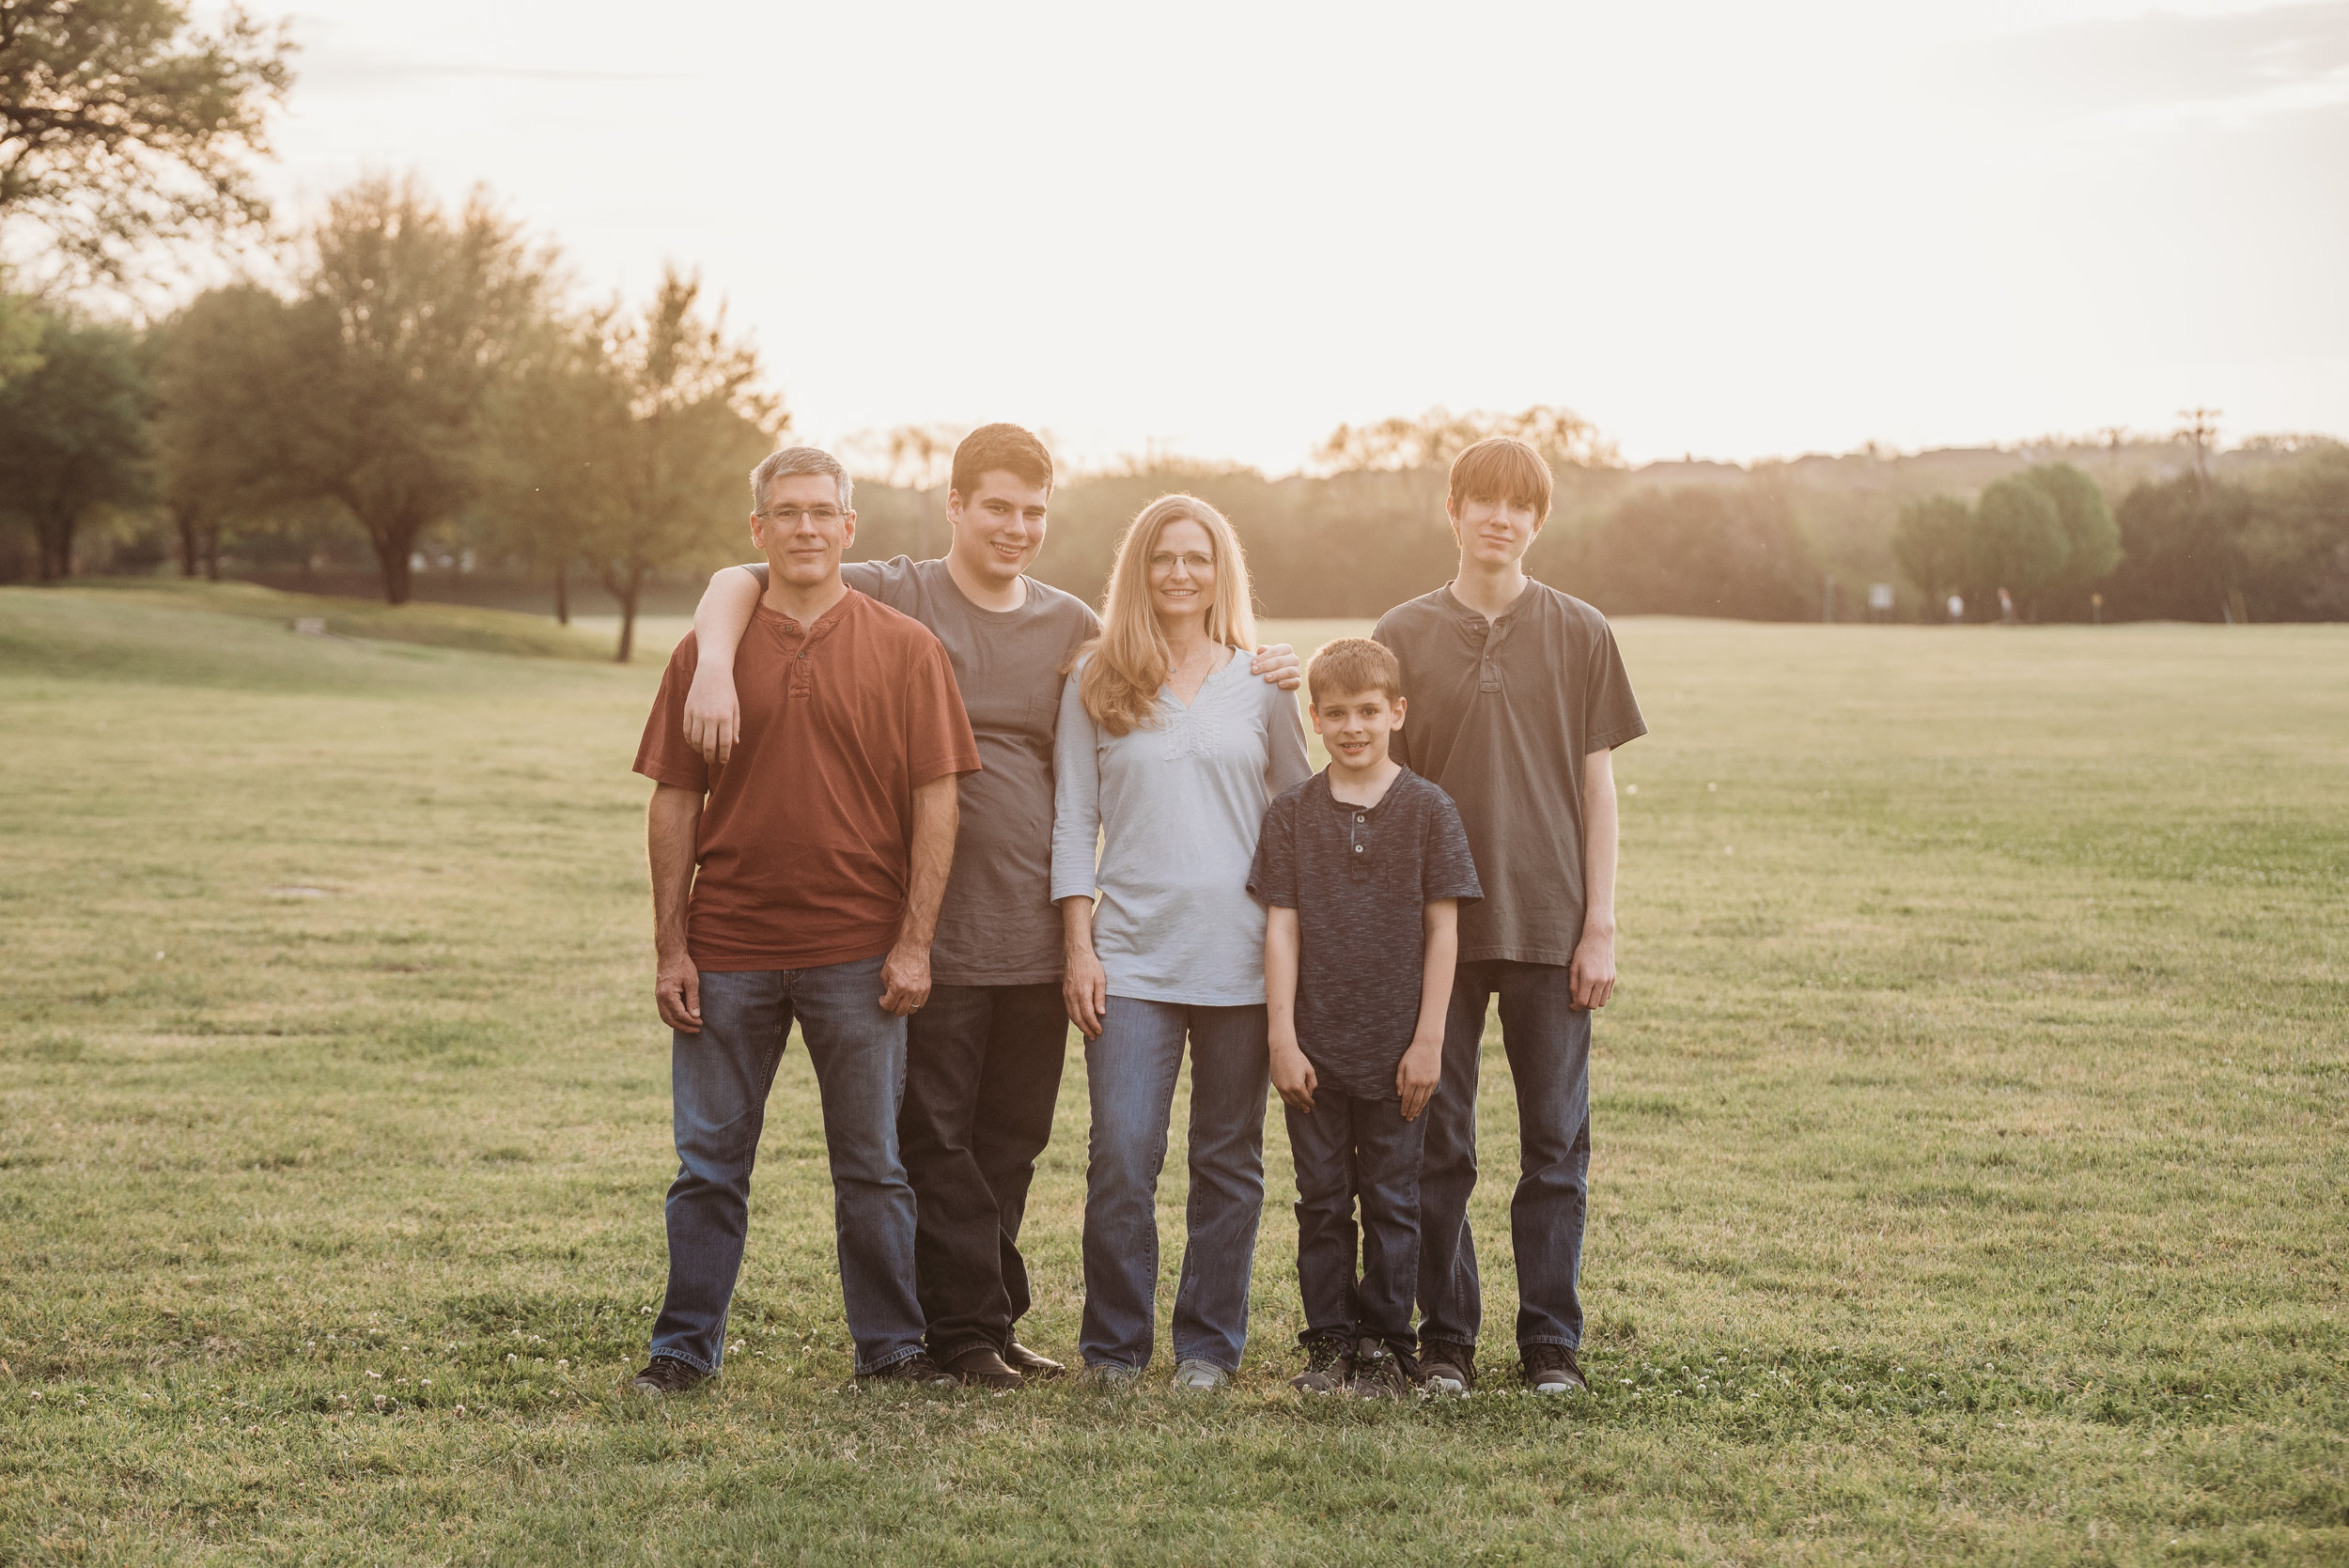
(1362, 869)
(801, 879)
(1518, 697)
(1168, 754)
(985, 1054)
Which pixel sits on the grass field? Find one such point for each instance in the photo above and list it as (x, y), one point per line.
(1969, 1137)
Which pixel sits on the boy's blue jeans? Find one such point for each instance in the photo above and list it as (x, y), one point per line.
(1130, 1071)
(1345, 1147)
(1549, 1043)
(719, 1083)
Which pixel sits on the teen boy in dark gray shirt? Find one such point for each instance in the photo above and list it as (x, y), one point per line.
(1517, 699)
(1361, 868)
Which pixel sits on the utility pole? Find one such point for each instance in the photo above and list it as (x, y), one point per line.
(2115, 436)
(2202, 431)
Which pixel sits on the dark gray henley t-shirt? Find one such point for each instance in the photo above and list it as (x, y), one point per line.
(998, 924)
(1502, 714)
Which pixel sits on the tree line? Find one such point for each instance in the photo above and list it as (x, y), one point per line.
(399, 381)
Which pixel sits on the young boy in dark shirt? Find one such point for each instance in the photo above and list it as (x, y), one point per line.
(1362, 869)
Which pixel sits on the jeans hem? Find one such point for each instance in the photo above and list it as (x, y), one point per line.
(1231, 1370)
(1550, 1338)
(709, 1371)
(908, 1354)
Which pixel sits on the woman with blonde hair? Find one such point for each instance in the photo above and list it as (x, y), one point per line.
(1167, 754)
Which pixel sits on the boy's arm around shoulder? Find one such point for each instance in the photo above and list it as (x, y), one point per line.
(713, 716)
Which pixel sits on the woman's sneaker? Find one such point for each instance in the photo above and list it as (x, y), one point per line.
(1551, 1369)
(1197, 1377)
(1445, 1367)
(1378, 1373)
(1328, 1366)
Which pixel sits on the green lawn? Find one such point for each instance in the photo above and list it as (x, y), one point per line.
(1969, 1140)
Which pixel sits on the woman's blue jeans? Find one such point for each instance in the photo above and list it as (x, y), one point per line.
(1130, 1071)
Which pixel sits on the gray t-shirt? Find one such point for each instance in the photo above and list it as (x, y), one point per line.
(1502, 714)
(1176, 811)
(1360, 879)
(997, 924)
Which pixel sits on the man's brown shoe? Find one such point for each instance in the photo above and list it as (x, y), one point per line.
(1031, 1365)
(981, 1367)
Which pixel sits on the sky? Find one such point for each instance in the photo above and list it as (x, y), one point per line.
(1219, 230)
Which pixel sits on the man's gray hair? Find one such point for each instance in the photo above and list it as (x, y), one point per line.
(797, 460)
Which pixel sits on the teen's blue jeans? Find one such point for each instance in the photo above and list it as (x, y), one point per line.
(719, 1081)
(1130, 1071)
(1548, 1040)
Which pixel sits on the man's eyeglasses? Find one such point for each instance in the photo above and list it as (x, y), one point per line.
(791, 517)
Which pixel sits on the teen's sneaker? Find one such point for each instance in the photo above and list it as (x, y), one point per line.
(1551, 1369)
(1196, 1376)
(917, 1369)
(981, 1367)
(1445, 1367)
(1108, 1375)
(1031, 1365)
(667, 1375)
(1328, 1366)
(1378, 1375)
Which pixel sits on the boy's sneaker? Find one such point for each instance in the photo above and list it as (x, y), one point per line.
(1328, 1366)
(1551, 1369)
(1445, 1367)
(1378, 1375)
(667, 1375)
(917, 1369)
(1192, 1375)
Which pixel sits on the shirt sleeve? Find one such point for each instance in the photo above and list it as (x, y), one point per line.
(663, 756)
(1286, 766)
(1272, 879)
(1447, 867)
(1076, 797)
(1612, 714)
(938, 730)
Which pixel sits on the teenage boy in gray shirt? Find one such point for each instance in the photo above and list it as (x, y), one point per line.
(1517, 699)
(984, 1052)
(1362, 869)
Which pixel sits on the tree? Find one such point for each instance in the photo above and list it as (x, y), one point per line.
(73, 434)
(2183, 543)
(1563, 438)
(680, 427)
(123, 123)
(215, 470)
(2016, 543)
(1701, 550)
(552, 422)
(1929, 540)
(2295, 548)
(2091, 538)
(20, 333)
(412, 316)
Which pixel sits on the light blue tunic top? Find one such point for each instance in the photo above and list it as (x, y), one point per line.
(1176, 811)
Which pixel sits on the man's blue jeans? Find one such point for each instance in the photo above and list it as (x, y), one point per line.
(1346, 1148)
(1130, 1071)
(719, 1083)
(1549, 1043)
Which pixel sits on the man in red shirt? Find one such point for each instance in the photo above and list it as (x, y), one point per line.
(822, 846)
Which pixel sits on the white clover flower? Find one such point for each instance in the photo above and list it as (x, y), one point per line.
(512, 1359)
